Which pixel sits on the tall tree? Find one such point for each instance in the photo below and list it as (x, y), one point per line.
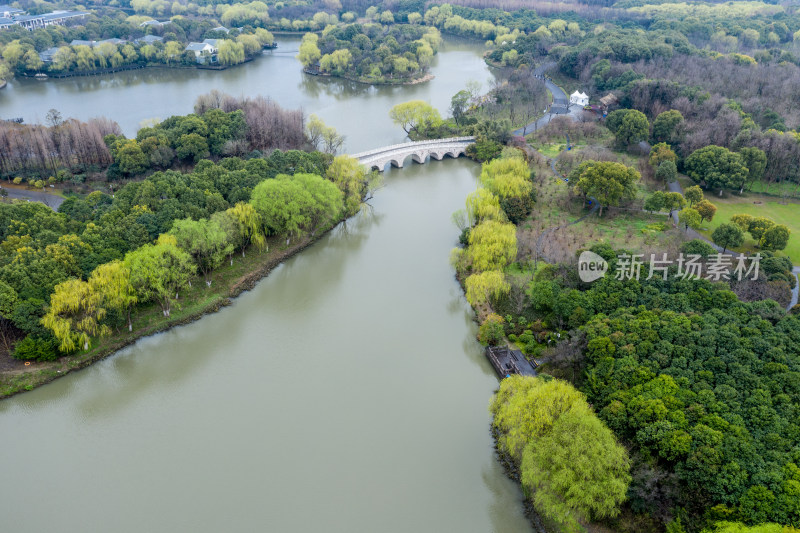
(205, 240)
(113, 282)
(608, 182)
(159, 271)
(717, 167)
(74, 315)
(728, 236)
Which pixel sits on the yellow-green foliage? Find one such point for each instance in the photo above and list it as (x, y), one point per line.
(492, 245)
(507, 178)
(570, 462)
(524, 408)
(737, 527)
(482, 287)
(483, 205)
(74, 315)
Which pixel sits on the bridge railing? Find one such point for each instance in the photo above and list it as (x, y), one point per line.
(412, 144)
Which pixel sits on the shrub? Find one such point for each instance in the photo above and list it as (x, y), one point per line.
(492, 331)
(36, 349)
(698, 247)
(484, 150)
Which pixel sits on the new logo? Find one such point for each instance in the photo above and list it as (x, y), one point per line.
(591, 266)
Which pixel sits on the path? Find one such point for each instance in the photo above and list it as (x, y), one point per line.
(50, 200)
(559, 106)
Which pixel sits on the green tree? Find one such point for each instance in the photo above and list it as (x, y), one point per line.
(706, 209)
(130, 158)
(459, 105)
(775, 238)
(352, 179)
(661, 152)
(759, 226)
(629, 126)
(74, 315)
(9, 299)
(309, 52)
(64, 59)
(492, 245)
(665, 126)
(192, 147)
(482, 287)
(673, 201)
(509, 180)
(416, 116)
(693, 194)
(113, 282)
(205, 240)
(336, 62)
(717, 167)
(608, 182)
(289, 205)
(756, 162)
(728, 236)
(667, 172)
(492, 331)
(577, 470)
(654, 202)
(159, 271)
(689, 217)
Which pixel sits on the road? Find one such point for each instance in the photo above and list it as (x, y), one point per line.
(50, 200)
(559, 106)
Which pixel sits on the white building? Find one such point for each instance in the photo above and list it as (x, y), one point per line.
(203, 52)
(580, 99)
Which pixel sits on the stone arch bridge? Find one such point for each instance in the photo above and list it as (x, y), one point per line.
(419, 151)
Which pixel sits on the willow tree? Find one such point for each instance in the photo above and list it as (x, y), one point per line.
(509, 179)
(492, 245)
(353, 180)
(205, 240)
(309, 53)
(570, 462)
(485, 286)
(248, 224)
(74, 315)
(159, 271)
(415, 116)
(113, 281)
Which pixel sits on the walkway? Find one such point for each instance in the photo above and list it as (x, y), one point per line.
(419, 151)
(559, 106)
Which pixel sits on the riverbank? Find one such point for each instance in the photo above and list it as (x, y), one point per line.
(125, 68)
(368, 81)
(228, 282)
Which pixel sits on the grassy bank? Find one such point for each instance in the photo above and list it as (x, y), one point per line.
(228, 281)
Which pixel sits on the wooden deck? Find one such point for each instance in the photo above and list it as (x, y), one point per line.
(506, 361)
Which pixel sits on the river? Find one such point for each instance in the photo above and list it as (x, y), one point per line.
(345, 393)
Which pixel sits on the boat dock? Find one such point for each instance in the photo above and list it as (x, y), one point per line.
(507, 361)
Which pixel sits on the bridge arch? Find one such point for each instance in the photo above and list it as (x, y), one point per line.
(419, 152)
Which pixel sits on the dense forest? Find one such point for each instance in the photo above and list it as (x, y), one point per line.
(371, 52)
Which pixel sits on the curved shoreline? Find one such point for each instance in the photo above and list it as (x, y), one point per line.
(427, 77)
(27, 381)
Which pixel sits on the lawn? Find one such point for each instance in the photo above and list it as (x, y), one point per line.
(762, 206)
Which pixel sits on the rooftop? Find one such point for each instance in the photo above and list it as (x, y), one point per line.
(197, 47)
